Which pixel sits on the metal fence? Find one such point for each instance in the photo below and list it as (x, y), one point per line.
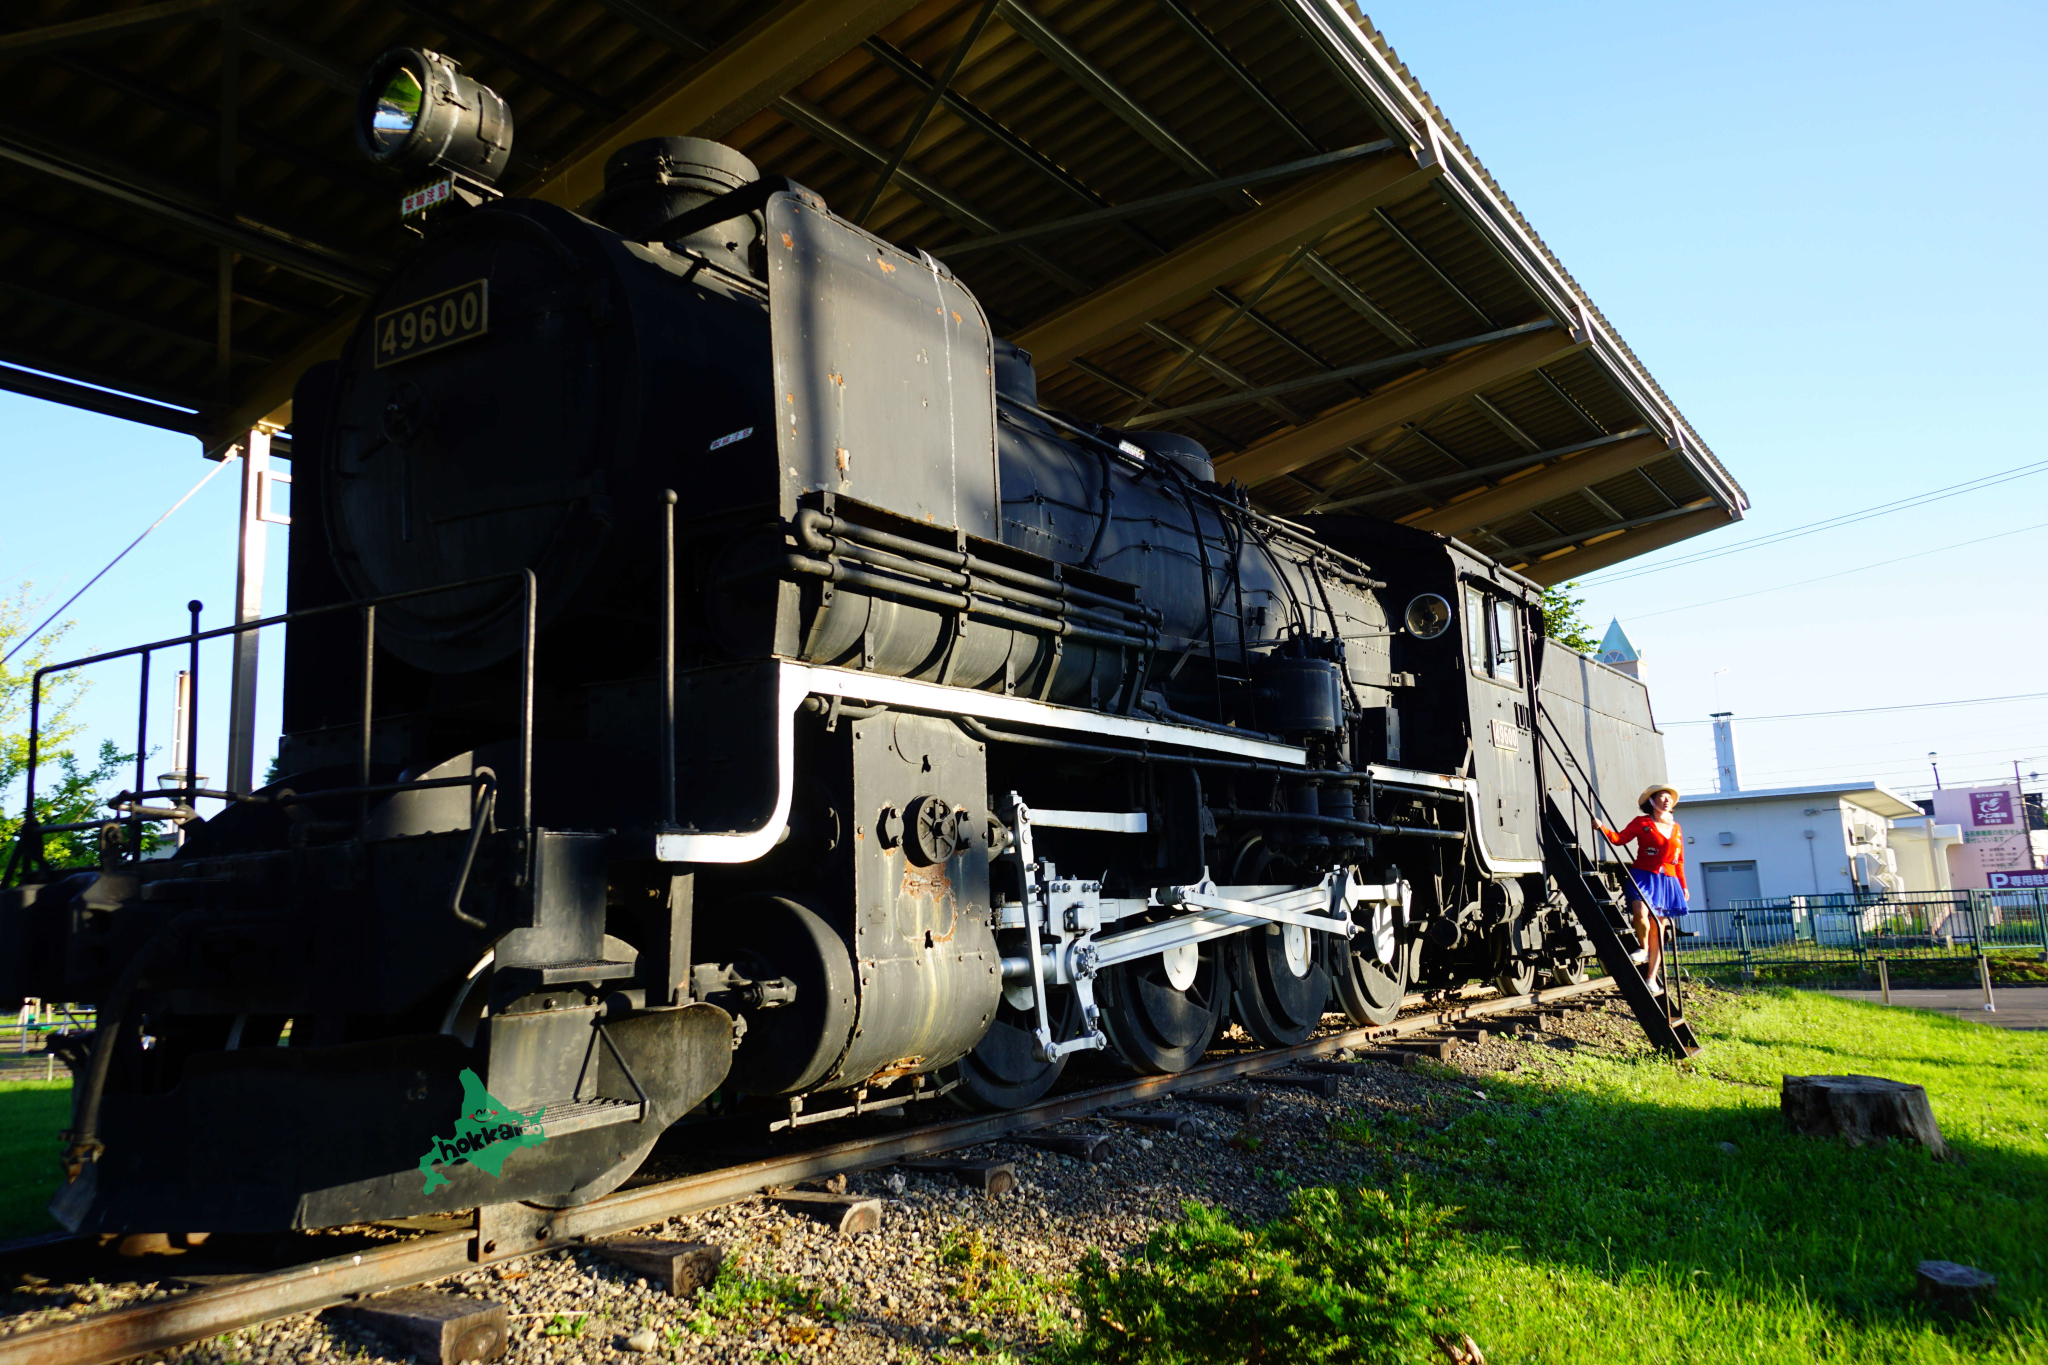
(1849, 930)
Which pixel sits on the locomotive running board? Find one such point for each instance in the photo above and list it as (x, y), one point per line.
(794, 682)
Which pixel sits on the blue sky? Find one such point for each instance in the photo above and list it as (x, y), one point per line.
(1819, 225)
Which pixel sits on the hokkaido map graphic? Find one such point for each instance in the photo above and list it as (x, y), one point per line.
(486, 1132)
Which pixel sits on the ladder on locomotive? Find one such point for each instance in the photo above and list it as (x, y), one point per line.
(1601, 912)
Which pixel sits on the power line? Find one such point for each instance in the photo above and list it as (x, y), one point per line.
(1872, 710)
(1828, 524)
(1844, 573)
(23, 642)
(1892, 765)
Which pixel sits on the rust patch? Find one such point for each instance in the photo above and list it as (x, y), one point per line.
(896, 1070)
(838, 379)
(956, 315)
(843, 458)
(887, 269)
(920, 882)
(788, 242)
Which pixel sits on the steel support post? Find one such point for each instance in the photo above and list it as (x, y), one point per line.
(250, 538)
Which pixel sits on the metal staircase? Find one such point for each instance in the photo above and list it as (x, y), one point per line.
(1604, 915)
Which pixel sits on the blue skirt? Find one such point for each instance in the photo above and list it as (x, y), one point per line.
(1664, 894)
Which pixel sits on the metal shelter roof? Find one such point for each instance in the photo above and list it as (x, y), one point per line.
(1238, 219)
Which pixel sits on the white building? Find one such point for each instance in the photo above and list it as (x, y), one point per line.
(1833, 839)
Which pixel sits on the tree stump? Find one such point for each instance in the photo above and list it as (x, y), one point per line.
(1957, 1288)
(1861, 1109)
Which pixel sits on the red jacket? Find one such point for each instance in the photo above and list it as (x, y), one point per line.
(1657, 850)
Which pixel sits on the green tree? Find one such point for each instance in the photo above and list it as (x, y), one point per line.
(1561, 619)
(69, 787)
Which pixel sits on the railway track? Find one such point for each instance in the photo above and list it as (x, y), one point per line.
(507, 1232)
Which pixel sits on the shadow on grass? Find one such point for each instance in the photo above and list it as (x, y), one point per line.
(32, 1115)
(1610, 1184)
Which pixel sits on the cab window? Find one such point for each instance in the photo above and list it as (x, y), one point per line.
(1476, 647)
(1507, 642)
(1493, 636)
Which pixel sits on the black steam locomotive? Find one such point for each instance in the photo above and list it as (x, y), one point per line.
(714, 683)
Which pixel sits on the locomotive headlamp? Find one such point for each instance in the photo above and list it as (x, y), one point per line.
(1427, 617)
(417, 113)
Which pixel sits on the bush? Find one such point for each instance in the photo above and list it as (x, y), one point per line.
(1346, 1276)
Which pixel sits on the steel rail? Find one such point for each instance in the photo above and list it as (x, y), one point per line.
(125, 1333)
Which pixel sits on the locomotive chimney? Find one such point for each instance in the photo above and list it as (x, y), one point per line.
(650, 183)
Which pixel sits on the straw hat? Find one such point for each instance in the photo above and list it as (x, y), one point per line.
(1651, 790)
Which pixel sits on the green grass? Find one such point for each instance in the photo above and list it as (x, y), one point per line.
(1609, 1224)
(32, 1114)
(1600, 1219)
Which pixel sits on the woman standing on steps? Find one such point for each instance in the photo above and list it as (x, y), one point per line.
(1657, 878)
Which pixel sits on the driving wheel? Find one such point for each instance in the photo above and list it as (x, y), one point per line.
(1162, 1012)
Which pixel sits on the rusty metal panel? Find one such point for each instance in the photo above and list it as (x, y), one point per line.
(884, 374)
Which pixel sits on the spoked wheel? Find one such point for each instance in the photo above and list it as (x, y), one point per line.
(1279, 983)
(1514, 960)
(1374, 972)
(1002, 1071)
(1162, 1012)
(1570, 972)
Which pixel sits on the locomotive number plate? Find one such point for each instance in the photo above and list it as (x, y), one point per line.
(429, 324)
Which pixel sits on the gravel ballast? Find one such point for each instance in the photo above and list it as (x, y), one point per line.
(951, 1274)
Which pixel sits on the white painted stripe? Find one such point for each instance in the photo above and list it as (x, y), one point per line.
(1108, 821)
(959, 701)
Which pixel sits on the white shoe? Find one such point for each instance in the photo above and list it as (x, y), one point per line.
(1656, 988)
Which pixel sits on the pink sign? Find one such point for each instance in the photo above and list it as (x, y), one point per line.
(1994, 835)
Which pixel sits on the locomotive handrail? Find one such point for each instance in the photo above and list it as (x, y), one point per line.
(190, 792)
(1603, 850)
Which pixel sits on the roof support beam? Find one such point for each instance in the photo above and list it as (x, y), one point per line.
(1402, 402)
(458, 31)
(1063, 54)
(762, 63)
(924, 109)
(1160, 201)
(103, 28)
(1218, 255)
(1331, 279)
(1565, 542)
(339, 270)
(1640, 541)
(1391, 362)
(1420, 488)
(1539, 486)
(98, 400)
